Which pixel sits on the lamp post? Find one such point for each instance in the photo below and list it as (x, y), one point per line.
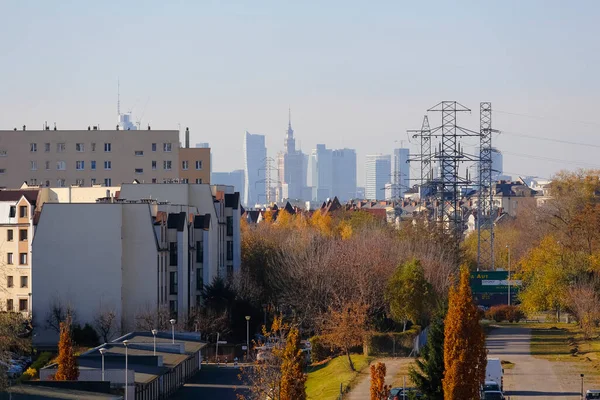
(154, 332)
(102, 351)
(508, 248)
(125, 343)
(172, 321)
(582, 387)
(264, 307)
(247, 337)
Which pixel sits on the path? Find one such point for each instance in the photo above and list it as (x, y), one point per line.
(362, 390)
(531, 378)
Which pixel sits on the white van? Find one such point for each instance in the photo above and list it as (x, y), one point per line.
(494, 372)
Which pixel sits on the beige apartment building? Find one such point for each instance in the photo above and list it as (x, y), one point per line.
(61, 158)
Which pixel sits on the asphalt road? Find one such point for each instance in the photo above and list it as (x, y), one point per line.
(531, 378)
(362, 390)
(212, 383)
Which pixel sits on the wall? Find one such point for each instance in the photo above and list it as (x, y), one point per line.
(191, 155)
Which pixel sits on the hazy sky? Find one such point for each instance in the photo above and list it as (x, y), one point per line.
(356, 74)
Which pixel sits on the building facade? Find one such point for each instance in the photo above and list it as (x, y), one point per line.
(292, 177)
(321, 160)
(344, 174)
(400, 172)
(233, 178)
(61, 158)
(378, 171)
(255, 155)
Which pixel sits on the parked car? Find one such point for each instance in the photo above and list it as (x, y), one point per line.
(592, 394)
(493, 395)
(402, 394)
(491, 386)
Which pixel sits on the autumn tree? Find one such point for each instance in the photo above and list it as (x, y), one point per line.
(584, 303)
(293, 378)
(13, 332)
(464, 344)
(106, 324)
(379, 390)
(408, 293)
(428, 372)
(67, 364)
(345, 327)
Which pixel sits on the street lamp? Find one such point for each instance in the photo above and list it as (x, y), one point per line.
(581, 386)
(125, 343)
(508, 248)
(154, 332)
(247, 336)
(172, 321)
(264, 307)
(102, 351)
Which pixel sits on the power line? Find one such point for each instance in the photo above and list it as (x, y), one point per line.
(548, 118)
(550, 139)
(542, 158)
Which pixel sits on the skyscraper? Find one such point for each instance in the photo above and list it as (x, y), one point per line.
(321, 161)
(290, 165)
(378, 170)
(344, 174)
(255, 154)
(401, 172)
(234, 178)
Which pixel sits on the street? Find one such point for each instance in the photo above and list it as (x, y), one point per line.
(531, 378)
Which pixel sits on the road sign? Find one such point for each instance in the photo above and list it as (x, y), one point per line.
(221, 341)
(244, 347)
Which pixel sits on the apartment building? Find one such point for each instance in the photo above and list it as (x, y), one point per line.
(17, 210)
(61, 158)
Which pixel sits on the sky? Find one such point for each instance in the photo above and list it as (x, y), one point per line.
(355, 74)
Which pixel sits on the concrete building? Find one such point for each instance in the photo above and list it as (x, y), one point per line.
(17, 210)
(378, 170)
(401, 172)
(255, 155)
(290, 164)
(321, 160)
(233, 178)
(61, 158)
(344, 174)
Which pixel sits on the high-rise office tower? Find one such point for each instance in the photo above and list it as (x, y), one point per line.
(400, 172)
(233, 178)
(255, 155)
(344, 174)
(321, 161)
(290, 165)
(378, 170)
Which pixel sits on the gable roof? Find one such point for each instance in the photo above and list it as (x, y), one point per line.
(14, 195)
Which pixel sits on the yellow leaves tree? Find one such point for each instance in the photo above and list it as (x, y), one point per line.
(284, 220)
(323, 223)
(293, 378)
(345, 230)
(464, 344)
(379, 391)
(67, 364)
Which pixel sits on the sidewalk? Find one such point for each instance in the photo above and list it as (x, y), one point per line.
(393, 366)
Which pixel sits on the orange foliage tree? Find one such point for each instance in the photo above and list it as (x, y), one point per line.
(293, 379)
(379, 391)
(464, 344)
(67, 364)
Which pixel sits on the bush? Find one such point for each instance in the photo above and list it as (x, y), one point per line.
(28, 375)
(319, 351)
(85, 336)
(386, 343)
(42, 360)
(505, 313)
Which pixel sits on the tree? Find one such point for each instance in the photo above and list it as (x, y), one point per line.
(345, 327)
(429, 371)
(14, 332)
(67, 364)
(584, 303)
(464, 344)
(106, 324)
(293, 379)
(379, 391)
(408, 293)
(58, 313)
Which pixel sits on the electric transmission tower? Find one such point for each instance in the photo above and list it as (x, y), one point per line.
(268, 181)
(485, 209)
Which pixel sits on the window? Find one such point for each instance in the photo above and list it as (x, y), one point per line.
(60, 147)
(184, 180)
(33, 165)
(9, 305)
(184, 165)
(172, 253)
(229, 250)
(173, 308)
(47, 183)
(79, 182)
(167, 147)
(47, 165)
(107, 165)
(139, 153)
(2, 170)
(24, 282)
(198, 164)
(33, 182)
(23, 235)
(61, 182)
(61, 165)
(9, 258)
(199, 279)
(107, 182)
(107, 147)
(79, 147)
(153, 165)
(93, 146)
(172, 282)
(33, 147)
(79, 165)
(139, 170)
(9, 281)
(199, 252)
(229, 226)
(93, 181)
(153, 180)
(23, 305)
(12, 212)
(198, 180)
(23, 212)
(47, 147)
(9, 235)
(93, 165)
(167, 165)
(22, 258)
(153, 146)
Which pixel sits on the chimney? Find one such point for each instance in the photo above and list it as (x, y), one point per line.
(187, 137)
(24, 127)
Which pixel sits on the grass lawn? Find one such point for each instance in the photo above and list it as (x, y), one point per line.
(324, 380)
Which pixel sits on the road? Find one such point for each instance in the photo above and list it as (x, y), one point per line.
(362, 390)
(531, 378)
(212, 383)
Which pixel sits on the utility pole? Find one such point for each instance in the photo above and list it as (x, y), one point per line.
(485, 205)
(508, 248)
